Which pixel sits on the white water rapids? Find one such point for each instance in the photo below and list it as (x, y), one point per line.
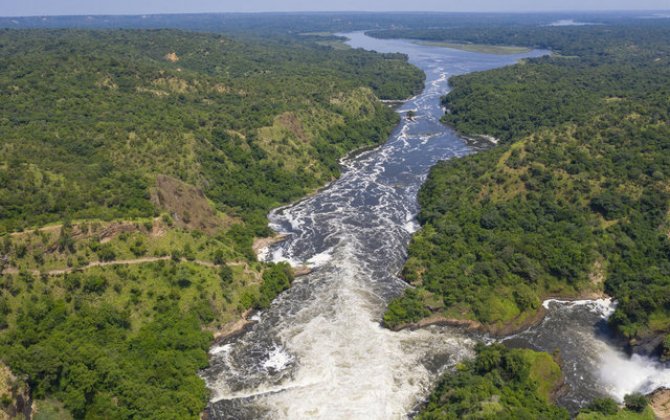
(319, 351)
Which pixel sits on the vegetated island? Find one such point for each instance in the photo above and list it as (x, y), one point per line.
(480, 48)
(136, 169)
(517, 384)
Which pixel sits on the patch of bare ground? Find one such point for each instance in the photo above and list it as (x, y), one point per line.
(172, 57)
(234, 328)
(109, 232)
(301, 270)
(262, 243)
(187, 205)
(597, 275)
(291, 122)
(438, 319)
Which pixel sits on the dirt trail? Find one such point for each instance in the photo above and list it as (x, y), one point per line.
(46, 229)
(142, 260)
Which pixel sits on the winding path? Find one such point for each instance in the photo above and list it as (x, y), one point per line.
(142, 260)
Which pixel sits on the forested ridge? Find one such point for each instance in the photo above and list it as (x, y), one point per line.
(136, 167)
(576, 196)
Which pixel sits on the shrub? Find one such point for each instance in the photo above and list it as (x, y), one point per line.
(226, 274)
(106, 253)
(635, 402)
(95, 284)
(603, 405)
(406, 308)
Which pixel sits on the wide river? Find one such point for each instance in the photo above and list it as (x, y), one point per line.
(320, 352)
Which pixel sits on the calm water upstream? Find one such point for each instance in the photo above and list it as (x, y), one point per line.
(319, 351)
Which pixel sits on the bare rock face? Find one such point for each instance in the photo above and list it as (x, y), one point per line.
(647, 346)
(660, 403)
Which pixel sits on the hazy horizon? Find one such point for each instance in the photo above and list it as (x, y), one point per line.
(130, 7)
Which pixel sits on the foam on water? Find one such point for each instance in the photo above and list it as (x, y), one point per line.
(622, 374)
(220, 349)
(592, 359)
(320, 259)
(349, 365)
(278, 359)
(603, 307)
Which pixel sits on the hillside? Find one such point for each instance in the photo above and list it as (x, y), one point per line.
(574, 201)
(136, 167)
(98, 114)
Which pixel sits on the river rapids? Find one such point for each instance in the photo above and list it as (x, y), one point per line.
(319, 351)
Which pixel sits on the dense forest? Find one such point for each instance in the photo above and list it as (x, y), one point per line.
(110, 107)
(136, 167)
(573, 201)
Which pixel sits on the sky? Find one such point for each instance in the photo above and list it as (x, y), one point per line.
(86, 7)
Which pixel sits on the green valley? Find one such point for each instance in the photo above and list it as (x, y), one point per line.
(139, 166)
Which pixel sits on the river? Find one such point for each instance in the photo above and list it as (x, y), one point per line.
(319, 351)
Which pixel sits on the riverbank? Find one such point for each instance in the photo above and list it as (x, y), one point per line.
(234, 329)
(499, 330)
(262, 244)
(472, 326)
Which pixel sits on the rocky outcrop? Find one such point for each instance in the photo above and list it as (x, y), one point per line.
(650, 346)
(15, 401)
(659, 401)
